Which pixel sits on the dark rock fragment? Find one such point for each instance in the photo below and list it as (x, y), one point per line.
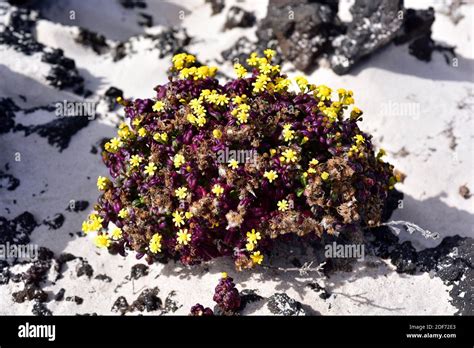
(103, 277)
(93, 40)
(131, 4)
(465, 192)
(282, 304)
(147, 300)
(303, 30)
(111, 95)
(7, 114)
(248, 296)
(416, 23)
(40, 309)
(77, 299)
(58, 132)
(84, 269)
(139, 270)
(60, 295)
(8, 181)
(55, 222)
(324, 294)
(77, 206)
(239, 18)
(120, 305)
(216, 5)
(404, 257)
(423, 48)
(375, 23)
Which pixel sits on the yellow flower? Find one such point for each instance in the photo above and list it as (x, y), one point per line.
(115, 143)
(356, 112)
(178, 218)
(289, 155)
(359, 139)
(135, 160)
(150, 169)
(302, 82)
(243, 117)
(282, 84)
(163, 137)
(250, 246)
(324, 175)
(253, 59)
(233, 164)
(142, 132)
(240, 70)
(314, 162)
(178, 160)
(93, 223)
(184, 237)
(253, 237)
(260, 83)
(188, 215)
(191, 118)
(181, 192)
(239, 99)
(381, 153)
(311, 170)
(185, 73)
(182, 59)
(265, 68)
(217, 133)
(158, 106)
(217, 190)
(102, 241)
(271, 175)
(269, 53)
(136, 121)
(257, 257)
(201, 121)
(102, 183)
(283, 205)
(323, 92)
(116, 233)
(124, 131)
(86, 227)
(222, 100)
(155, 243)
(224, 275)
(123, 213)
(287, 133)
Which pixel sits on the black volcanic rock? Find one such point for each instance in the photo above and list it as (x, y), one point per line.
(58, 132)
(7, 114)
(169, 41)
(8, 181)
(239, 18)
(93, 40)
(423, 48)
(139, 270)
(147, 300)
(282, 304)
(416, 23)
(111, 95)
(216, 6)
(77, 206)
(17, 230)
(54, 222)
(303, 29)
(18, 32)
(375, 23)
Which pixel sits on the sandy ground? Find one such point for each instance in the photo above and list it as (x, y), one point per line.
(430, 117)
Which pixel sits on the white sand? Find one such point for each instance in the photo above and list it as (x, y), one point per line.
(391, 78)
